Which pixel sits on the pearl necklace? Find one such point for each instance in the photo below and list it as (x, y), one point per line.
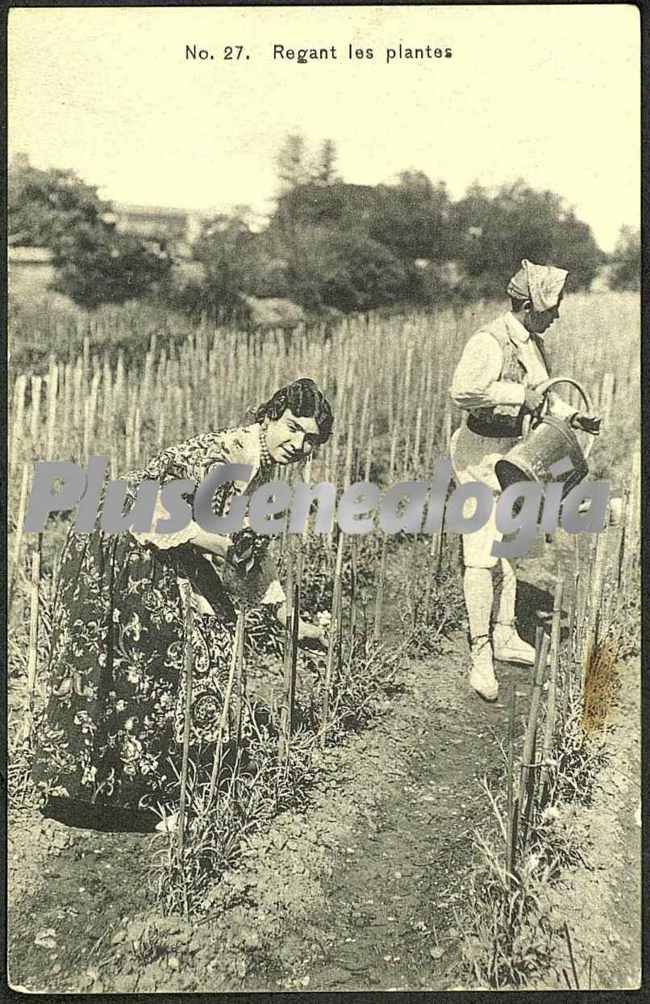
(265, 458)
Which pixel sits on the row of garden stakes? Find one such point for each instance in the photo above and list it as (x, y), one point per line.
(585, 635)
(64, 379)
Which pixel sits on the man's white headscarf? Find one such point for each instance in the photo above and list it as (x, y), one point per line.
(541, 284)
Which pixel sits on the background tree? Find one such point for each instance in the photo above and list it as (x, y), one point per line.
(291, 162)
(625, 270)
(494, 231)
(230, 254)
(96, 265)
(412, 218)
(342, 269)
(94, 262)
(323, 171)
(359, 274)
(44, 206)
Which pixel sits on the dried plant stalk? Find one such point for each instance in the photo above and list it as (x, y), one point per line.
(602, 681)
(596, 579)
(620, 565)
(86, 358)
(510, 805)
(136, 435)
(52, 392)
(216, 765)
(571, 653)
(551, 702)
(22, 503)
(393, 451)
(292, 665)
(364, 417)
(107, 400)
(32, 656)
(76, 401)
(90, 408)
(36, 411)
(416, 443)
(67, 400)
(541, 650)
(188, 653)
(333, 638)
(353, 589)
(285, 720)
(240, 690)
(371, 436)
(17, 430)
(379, 599)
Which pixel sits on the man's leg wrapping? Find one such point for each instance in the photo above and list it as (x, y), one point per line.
(477, 586)
(508, 645)
(505, 592)
(479, 599)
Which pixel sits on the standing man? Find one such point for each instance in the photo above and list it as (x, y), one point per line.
(495, 384)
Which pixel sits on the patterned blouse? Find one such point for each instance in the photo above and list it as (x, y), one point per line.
(247, 570)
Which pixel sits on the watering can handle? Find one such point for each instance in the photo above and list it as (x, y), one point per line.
(544, 389)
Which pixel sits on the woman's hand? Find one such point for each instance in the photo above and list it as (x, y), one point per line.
(312, 634)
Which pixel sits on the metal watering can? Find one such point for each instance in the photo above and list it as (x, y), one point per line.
(546, 440)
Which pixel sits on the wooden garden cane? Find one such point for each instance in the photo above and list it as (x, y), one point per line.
(22, 503)
(294, 576)
(511, 806)
(32, 658)
(240, 690)
(528, 784)
(379, 598)
(188, 652)
(551, 703)
(216, 765)
(596, 579)
(353, 590)
(333, 638)
(17, 432)
(287, 553)
(291, 663)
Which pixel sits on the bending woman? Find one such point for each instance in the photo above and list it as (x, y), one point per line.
(113, 725)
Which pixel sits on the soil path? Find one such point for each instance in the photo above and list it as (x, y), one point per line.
(398, 825)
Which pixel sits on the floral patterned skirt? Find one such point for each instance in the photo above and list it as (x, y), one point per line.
(112, 729)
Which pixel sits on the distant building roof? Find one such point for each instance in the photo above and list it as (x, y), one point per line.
(126, 209)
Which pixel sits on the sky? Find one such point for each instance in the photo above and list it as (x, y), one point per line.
(550, 94)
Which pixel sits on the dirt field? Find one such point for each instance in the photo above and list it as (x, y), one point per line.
(364, 888)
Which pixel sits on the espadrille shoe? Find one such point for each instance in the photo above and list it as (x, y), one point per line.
(482, 678)
(509, 647)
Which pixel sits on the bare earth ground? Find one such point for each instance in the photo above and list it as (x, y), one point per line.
(357, 891)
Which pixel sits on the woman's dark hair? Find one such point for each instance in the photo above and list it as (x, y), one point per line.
(304, 399)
